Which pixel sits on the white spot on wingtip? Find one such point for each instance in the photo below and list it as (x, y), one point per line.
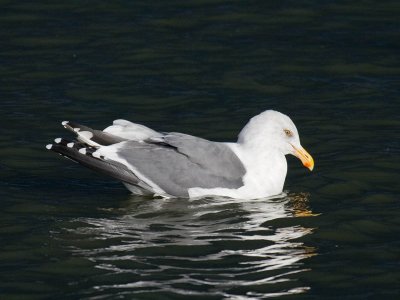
(57, 140)
(63, 123)
(96, 154)
(49, 146)
(82, 150)
(70, 145)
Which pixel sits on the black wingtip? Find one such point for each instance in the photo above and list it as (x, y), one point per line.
(110, 168)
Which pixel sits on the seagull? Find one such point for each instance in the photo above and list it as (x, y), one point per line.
(175, 164)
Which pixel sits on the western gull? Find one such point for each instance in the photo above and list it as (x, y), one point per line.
(180, 165)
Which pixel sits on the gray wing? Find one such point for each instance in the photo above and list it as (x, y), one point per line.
(177, 162)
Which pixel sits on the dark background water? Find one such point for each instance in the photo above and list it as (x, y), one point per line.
(201, 67)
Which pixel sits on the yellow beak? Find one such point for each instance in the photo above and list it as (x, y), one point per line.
(305, 157)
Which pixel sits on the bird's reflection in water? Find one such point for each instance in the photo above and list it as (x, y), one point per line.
(217, 247)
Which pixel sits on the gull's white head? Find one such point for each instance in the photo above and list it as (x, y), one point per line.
(273, 130)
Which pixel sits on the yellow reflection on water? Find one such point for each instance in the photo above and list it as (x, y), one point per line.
(299, 204)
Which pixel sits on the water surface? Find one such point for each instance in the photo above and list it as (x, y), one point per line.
(204, 68)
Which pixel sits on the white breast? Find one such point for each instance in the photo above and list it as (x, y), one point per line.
(265, 175)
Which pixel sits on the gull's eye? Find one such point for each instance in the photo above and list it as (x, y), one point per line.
(288, 132)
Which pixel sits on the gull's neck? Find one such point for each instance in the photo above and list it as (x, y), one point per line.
(264, 159)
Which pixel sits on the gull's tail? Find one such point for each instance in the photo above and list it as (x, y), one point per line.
(92, 137)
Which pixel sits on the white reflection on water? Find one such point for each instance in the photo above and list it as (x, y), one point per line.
(246, 249)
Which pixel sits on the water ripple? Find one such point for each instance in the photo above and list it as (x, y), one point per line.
(215, 248)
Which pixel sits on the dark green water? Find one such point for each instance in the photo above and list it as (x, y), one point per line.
(204, 68)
